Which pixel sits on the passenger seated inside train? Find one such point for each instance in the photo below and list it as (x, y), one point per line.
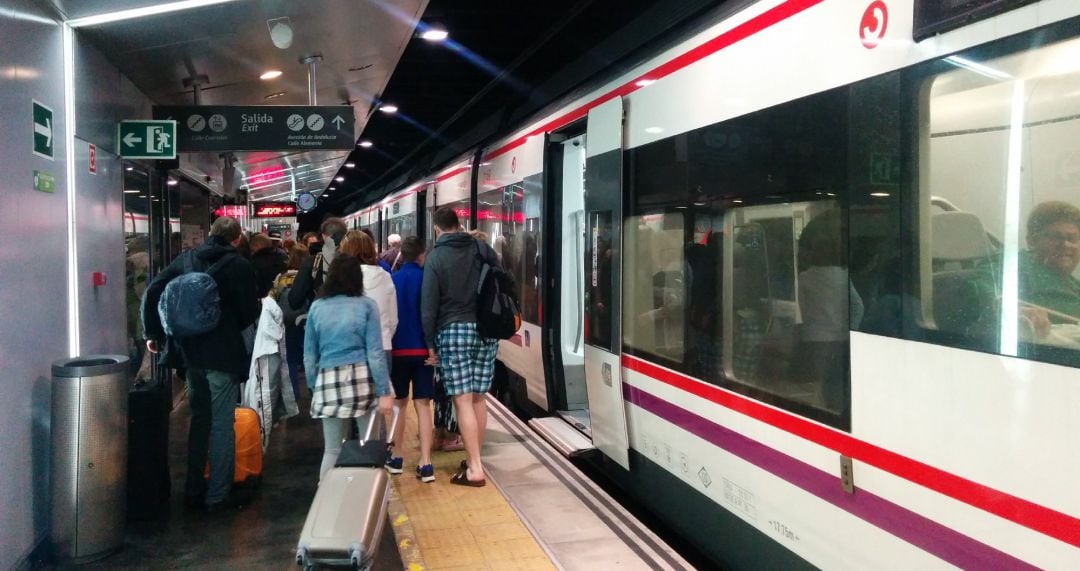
(1049, 289)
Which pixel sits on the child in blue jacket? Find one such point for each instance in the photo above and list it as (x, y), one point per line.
(408, 354)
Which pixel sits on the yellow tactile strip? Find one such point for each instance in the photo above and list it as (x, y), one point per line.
(457, 527)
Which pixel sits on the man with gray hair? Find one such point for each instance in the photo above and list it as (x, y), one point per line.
(390, 259)
(215, 361)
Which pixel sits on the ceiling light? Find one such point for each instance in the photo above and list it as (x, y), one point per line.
(173, 182)
(880, 194)
(644, 82)
(681, 207)
(350, 165)
(699, 204)
(435, 34)
(388, 108)
(134, 13)
(653, 130)
(272, 74)
(737, 201)
(366, 144)
(332, 188)
(339, 179)
(275, 95)
(129, 169)
(132, 191)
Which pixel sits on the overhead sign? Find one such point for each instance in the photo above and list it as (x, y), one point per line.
(214, 128)
(43, 131)
(147, 139)
(274, 210)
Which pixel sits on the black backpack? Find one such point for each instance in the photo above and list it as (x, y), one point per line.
(497, 313)
(191, 304)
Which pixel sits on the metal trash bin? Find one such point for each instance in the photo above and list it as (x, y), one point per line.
(88, 485)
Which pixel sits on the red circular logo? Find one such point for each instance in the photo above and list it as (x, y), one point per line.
(874, 22)
(513, 164)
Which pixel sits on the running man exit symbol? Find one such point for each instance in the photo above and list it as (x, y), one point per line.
(150, 139)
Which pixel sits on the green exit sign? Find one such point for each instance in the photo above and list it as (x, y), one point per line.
(147, 139)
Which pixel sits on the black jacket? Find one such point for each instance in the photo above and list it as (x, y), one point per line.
(305, 287)
(268, 262)
(223, 348)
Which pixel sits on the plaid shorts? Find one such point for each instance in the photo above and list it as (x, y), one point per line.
(466, 360)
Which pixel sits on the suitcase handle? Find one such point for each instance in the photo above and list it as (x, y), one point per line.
(373, 416)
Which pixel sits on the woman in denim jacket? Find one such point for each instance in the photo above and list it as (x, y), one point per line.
(343, 343)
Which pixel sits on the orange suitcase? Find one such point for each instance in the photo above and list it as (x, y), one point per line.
(248, 446)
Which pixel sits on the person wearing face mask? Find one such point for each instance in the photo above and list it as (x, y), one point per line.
(309, 278)
(1048, 286)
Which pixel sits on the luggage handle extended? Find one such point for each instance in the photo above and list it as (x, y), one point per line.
(375, 414)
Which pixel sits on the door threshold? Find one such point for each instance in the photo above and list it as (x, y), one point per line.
(561, 435)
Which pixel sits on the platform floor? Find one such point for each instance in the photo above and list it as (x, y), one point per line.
(538, 511)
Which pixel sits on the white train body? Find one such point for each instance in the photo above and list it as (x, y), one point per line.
(960, 455)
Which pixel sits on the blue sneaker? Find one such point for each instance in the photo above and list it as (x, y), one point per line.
(425, 473)
(394, 464)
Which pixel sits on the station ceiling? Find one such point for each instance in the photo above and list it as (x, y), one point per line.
(503, 61)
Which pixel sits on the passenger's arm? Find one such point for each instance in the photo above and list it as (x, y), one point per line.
(429, 304)
(391, 310)
(152, 327)
(376, 355)
(301, 288)
(311, 349)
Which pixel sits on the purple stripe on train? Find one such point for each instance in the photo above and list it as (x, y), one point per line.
(943, 542)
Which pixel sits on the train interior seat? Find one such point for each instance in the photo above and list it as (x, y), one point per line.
(964, 292)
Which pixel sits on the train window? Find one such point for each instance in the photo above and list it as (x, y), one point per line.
(655, 285)
(1000, 141)
(510, 216)
(600, 281)
(463, 209)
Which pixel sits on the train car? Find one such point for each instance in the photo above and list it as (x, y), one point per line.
(807, 279)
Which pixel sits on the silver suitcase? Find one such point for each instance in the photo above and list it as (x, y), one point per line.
(345, 523)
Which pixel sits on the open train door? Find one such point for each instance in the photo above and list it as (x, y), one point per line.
(603, 266)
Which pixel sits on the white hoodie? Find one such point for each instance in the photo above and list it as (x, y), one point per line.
(380, 287)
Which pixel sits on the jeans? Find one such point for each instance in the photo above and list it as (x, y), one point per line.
(294, 355)
(334, 432)
(213, 396)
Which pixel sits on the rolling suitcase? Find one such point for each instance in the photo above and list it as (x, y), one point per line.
(347, 516)
(148, 481)
(249, 461)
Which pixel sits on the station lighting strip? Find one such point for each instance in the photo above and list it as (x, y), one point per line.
(74, 339)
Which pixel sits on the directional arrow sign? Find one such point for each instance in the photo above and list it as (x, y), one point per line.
(338, 122)
(147, 139)
(220, 128)
(43, 131)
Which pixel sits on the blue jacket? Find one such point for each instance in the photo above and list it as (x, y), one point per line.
(409, 336)
(343, 330)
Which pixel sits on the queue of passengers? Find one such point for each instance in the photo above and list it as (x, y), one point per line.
(362, 329)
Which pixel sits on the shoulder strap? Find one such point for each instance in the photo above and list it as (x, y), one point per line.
(317, 266)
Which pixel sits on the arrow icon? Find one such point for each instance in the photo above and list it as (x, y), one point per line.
(130, 139)
(338, 122)
(45, 131)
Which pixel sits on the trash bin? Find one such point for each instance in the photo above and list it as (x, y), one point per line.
(89, 456)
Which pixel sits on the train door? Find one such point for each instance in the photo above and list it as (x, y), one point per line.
(421, 219)
(603, 248)
(564, 277)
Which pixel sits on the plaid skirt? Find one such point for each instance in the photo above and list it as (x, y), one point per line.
(345, 391)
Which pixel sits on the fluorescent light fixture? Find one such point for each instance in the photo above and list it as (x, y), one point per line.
(155, 10)
(339, 178)
(271, 74)
(350, 165)
(737, 201)
(699, 204)
(654, 130)
(681, 207)
(435, 34)
(366, 144)
(880, 194)
(644, 82)
(172, 182)
(129, 169)
(275, 95)
(132, 191)
(388, 108)
(332, 188)
(74, 341)
(977, 67)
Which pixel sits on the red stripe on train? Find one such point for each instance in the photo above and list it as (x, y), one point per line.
(733, 36)
(1047, 521)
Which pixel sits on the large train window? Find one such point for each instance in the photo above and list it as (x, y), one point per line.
(999, 143)
(510, 216)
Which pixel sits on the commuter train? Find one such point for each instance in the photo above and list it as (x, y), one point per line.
(778, 273)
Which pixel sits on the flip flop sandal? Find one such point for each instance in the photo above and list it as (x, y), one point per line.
(462, 479)
(464, 465)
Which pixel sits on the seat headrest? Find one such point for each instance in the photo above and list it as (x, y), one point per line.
(958, 236)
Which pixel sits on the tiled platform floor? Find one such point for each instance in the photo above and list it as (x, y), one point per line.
(457, 527)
